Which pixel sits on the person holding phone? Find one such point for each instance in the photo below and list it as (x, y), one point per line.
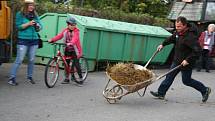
(27, 24)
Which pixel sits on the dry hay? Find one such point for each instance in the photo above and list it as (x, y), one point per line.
(126, 74)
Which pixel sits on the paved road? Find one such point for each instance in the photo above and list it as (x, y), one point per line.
(27, 102)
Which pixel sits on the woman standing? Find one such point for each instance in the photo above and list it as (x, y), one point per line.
(28, 24)
(206, 41)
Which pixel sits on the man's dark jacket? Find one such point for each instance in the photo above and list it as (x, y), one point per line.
(186, 46)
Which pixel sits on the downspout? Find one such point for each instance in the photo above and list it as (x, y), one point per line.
(203, 10)
(11, 30)
(182, 8)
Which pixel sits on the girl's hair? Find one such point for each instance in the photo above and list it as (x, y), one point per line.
(24, 9)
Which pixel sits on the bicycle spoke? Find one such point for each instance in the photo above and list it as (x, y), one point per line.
(84, 70)
(51, 73)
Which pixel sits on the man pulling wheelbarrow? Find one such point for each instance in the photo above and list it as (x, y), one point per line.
(187, 50)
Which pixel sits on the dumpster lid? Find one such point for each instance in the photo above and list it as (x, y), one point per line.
(112, 25)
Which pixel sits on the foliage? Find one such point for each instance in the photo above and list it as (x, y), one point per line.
(151, 12)
(134, 11)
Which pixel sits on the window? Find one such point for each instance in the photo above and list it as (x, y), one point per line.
(209, 12)
(189, 1)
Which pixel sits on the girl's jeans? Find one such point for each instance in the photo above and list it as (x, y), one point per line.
(21, 52)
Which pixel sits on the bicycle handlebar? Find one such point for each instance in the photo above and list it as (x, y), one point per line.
(59, 46)
(53, 43)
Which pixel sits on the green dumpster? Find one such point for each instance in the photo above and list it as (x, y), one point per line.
(104, 40)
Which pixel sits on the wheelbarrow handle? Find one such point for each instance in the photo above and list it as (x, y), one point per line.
(161, 76)
(151, 58)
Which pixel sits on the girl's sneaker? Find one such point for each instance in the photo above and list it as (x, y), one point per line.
(30, 79)
(79, 83)
(66, 81)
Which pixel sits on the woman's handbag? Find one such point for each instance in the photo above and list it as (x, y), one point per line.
(40, 41)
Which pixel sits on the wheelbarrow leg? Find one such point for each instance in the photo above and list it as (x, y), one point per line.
(107, 85)
(141, 95)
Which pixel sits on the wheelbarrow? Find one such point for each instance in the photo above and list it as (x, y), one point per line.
(114, 92)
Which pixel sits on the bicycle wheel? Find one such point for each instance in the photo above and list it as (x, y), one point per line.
(84, 70)
(51, 73)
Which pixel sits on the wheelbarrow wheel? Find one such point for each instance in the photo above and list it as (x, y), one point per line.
(112, 101)
(114, 94)
(116, 91)
(107, 94)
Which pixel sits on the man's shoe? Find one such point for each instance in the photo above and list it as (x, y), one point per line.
(12, 82)
(30, 79)
(66, 81)
(208, 71)
(155, 94)
(206, 95)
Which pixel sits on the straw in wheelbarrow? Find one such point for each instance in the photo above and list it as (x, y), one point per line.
(127, 74)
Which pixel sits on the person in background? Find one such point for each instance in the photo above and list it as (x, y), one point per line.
(187, 49)
(206, 41)
(28, 24)
(73, 47)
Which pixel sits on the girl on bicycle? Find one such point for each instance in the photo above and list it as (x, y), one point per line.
(73, 47)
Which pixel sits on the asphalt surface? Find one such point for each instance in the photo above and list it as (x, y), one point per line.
(27, 102)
